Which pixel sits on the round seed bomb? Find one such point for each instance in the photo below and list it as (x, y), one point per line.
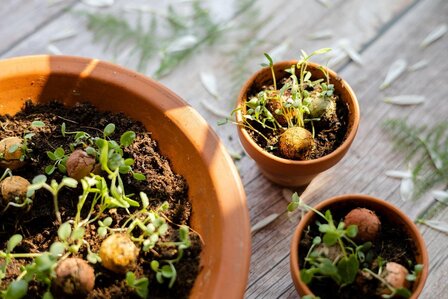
(367, 221)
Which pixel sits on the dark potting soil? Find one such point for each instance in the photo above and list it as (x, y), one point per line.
(392, 245)
(39, 226)
(329, 133)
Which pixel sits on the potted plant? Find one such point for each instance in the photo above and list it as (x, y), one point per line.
(296, 119)
(356, 246)
(105, 225)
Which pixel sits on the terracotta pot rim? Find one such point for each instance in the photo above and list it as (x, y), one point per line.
(340, 149)
(240, 229)
(410, 227)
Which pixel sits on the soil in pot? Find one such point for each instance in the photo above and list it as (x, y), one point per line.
(166, 199)
(298, 115)
(391, 244)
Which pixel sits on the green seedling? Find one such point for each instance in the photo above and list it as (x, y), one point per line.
(139, 285)
(59, 158)
(168, 270)
(54, 188)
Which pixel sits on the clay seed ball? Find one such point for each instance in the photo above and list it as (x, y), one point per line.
(74, 277)
(395, 275)
(118, 253)
(11, 160)
(322, 107)
(79, 164)
(14, 189)
(367, 221)
(296, 143)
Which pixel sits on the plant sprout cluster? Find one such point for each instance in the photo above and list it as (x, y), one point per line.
(343, 253)
(284, 111)
(94, 166)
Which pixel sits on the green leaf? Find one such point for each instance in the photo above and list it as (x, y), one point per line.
(102, 231)
(109, 130)
(108, 221)
(403, 292)
(64, 231)
(13, 148)
(57, 249)
(51, 156)
(130, 279)
(129, 161)
(13, 242)
(145, 200)
(326, 267)
(323, 228)
(306, 275)
(90, 151)
(93, 258)
(348, 268)
(63, 129)
(321, 51)
(127, 138)
(352, 231)
(70, 182)
(139, 176)
(317, 240)
(50, 169)
(62, 168)
(269, 59)
(155, 265)
(37, 124)
(166, 271)
(59, 153)
(78, 233)
(47, 295)
(292, 206)
(16, 290)
(330, 238)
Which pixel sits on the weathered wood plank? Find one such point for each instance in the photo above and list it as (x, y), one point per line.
(20, 19)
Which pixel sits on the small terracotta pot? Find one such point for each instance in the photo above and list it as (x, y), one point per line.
(219, 211)
(283, 171)
(379, 206)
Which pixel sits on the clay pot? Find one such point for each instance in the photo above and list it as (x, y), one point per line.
(379, 206)
(293, 173)
(219, 213)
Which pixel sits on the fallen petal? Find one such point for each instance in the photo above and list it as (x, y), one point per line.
(399, 174)
(324, 34)
(208, 80)
(441, 196)
(418, 65)
(264, 222)
(98, 3)
(406, 189)
(437, 33)
(54, 50)
(436, 224)
(405, 100)
(395, 70)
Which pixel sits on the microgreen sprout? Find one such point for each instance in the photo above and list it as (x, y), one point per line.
(140, 285)
(168, 270)
(59, 158)
(54, 188)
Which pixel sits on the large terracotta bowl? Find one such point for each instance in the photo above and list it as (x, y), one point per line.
(381, 207)
(286, 172)
(219, 212)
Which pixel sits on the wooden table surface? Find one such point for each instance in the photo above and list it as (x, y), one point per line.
(382, 31)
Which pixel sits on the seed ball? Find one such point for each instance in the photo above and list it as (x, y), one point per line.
(296, 143)
(118, 253)
(395, 275)
(79, 164)
(14, 189)
(272, 107)
(367, 221)
(8, 159)
(322, 107)
(74, 277)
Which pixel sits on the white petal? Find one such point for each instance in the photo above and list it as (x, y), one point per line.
(208, 80)
(324, 34)
(264, 222)
(441, 196)
(182, 43)
(405, 100)
(98, 3)
(437, 225)
(437, 33)
(213, 109)
(399, 174)
(325, 3)
(418, 65)
(351, 52)
(395, 70)
(406, 189)
(54, 50)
